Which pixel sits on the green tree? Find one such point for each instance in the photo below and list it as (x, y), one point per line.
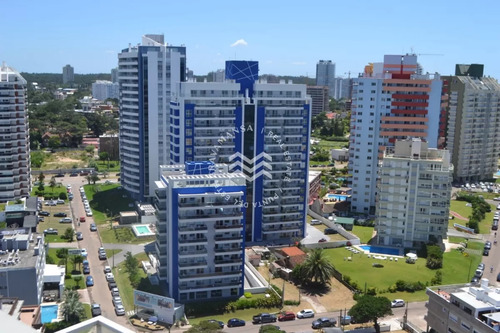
(205, 327)
(94, 177)
(104, 156)
(54, 142)
(131, 263)
(77, 260)
(371, 308)
(68, 234)
(37, 158)
(90, 149)
(318, 121)
(317, 268)
(41, 177)
(53, 183)
(434, 257)
(72, 309)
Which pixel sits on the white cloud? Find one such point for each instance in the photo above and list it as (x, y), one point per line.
(239, 42)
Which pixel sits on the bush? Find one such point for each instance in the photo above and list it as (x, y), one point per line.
(371, 291)
(292, 303)
(63, 196)
(248, 294)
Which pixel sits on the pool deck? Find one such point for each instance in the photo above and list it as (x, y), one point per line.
(376, 253)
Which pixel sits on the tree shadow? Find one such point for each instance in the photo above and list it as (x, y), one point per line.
(314, 289)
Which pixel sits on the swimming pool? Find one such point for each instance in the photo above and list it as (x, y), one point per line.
(338, 197)
(142, 230)
(380, 250)
(497, 174)
(49, 313)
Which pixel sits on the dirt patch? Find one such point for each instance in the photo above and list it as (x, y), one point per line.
(64, 160)
(338, 297)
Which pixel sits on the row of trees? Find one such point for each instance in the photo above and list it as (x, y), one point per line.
(479, 209)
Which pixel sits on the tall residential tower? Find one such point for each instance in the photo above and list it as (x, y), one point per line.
(325, 75)
(256, 127)
(68, 74)
(15, 174)
(390, 102)
(147, 74)
(473, 132)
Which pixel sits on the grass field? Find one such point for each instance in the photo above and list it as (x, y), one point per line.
(455, 270)
(461, 208)
(107, 201)
(325, 144)
(71, 282)
(364, 233)
(126, 290)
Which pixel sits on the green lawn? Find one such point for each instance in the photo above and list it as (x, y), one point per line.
(112, 168)
(71, 282)
(455, 270)
(364, 233)
(112, 252)
(126, 290)
(245, 314)
(325, 144)
(107, 201)
(461, 208)
(121, 235)
(88, 311)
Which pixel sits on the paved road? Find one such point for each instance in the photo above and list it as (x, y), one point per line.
(99, 293)
(416, 312)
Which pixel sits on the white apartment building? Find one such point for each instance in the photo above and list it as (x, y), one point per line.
(389, 102)
(15, 168)
(473, 134)
(200, 231)
(414, 193)
(147, 74)
(464, 308)
(102, 90)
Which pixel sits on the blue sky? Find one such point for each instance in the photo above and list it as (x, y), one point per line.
(286, 37)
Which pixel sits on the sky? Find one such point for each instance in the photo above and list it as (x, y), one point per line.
(286, 37)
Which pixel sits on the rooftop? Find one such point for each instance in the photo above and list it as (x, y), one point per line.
(292, 251)
(12, 245)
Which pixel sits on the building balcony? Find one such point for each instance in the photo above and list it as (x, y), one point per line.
(228, 227)
(192, 252)
(197, 276)
(192, 264)
(228, 250)
(193, 241)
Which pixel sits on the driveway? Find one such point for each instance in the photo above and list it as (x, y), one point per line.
(313, 235)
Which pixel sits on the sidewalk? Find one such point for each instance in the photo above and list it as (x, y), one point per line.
(55, 245)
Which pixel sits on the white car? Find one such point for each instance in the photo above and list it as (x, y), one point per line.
(496, 199)
(397, 303)
(107, 269)
(89, 212)
(306, 313)
(84, 253)
(498, 207)
(110, 277)
(119, 310)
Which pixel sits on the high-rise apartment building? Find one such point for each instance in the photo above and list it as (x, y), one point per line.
(15, 175)
(267, 126)
(343, 88)
(68, 74)
(325, 75)
(114, 75)
(147, 74)
(102, 90)
(473, 132)
(414, 192)
(319, 99)
(390, 102)
(200, 231)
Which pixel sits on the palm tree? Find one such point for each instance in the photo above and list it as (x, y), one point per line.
(318, 268)
(72, 309)
(77, 260)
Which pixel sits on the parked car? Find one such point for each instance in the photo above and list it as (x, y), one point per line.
(50, 231)
(264, 318)
(93, 227)
(44, 213)
(107, 269)
(315, 222)
(59, 175)
(89, 212)
(73, 174)
(306, 313)
(498, 277)
(486, 252)
(96, 310)
(218, 322)
(235, 322)
(478, 273)
(397, 303)
(102, 256)
(117, 300)
(41, 219)
(110, 277)
(285, 316)
(475, 279)
(324, 322)
(66, 220)
(346, 320)
(89, 281)
(487, 245)
(60, 214)
(84, 253)
(115, 292)
(112, 285)
(119, 310)
(82, 218)
(60, 202)
(79, 236)
(86, 269)
(330, 231)
(481, 266)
